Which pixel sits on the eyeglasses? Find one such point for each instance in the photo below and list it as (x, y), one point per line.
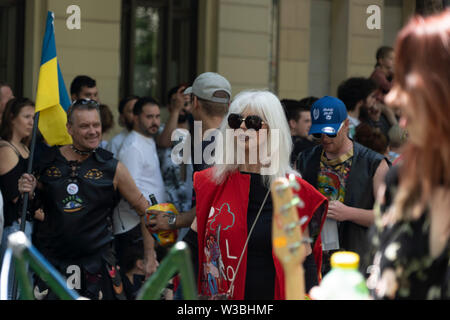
(319, 135)
(85, 102)
(251, 122)
(79, 105)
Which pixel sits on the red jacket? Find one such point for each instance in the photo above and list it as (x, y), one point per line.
(222, 231)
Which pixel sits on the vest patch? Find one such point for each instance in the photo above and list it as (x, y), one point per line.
(72, 204)
(94, 174)
(53, 172)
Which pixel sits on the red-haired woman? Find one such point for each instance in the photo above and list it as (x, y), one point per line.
(412, 235)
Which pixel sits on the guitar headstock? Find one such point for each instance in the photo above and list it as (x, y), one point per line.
(287, 237)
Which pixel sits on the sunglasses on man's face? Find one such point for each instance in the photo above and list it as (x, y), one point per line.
(319, 135)
(85, 102)
(251, 122)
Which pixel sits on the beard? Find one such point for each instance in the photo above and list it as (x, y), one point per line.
(148, 131)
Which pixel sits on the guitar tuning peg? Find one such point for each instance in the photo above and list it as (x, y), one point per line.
(281, 188)
(307, 240)
(295, 202)
(303, 220)
(294, 246)
(300, 204)
(293, 225)
(293, 182)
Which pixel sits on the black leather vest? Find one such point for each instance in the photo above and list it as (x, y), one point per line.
(78, 200)
(359, 190)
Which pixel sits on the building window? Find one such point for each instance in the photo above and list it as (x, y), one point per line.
(159, 41)
(12, 22)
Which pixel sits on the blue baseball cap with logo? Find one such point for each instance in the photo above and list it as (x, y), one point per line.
(327, 115)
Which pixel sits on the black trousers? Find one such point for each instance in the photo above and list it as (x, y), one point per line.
(126, 240)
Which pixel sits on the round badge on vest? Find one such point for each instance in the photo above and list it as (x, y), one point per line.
(72, 189)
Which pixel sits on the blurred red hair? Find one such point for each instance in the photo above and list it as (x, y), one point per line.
(422, 90)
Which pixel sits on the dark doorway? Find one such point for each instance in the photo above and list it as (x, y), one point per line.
(12, 26)
(159, 40)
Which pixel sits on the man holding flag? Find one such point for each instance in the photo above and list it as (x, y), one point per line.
(77, 186)
(52, 100)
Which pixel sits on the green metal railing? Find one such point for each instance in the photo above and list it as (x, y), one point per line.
(178, 259)
(21, 253)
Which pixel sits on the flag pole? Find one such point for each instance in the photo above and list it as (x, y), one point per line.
(26, 196)
(29, 171)
(51, 95)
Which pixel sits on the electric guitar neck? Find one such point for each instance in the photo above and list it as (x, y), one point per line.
(287, 237)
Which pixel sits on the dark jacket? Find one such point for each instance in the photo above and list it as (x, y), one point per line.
(359, 189)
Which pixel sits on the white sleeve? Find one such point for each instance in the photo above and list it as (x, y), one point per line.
(113, 147)
(109, 146)
(132, 158)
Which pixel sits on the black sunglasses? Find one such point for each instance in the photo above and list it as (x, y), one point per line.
(85, 102)
(251, 122)
(319, 135)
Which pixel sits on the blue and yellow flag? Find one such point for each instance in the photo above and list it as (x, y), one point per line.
(52, 100)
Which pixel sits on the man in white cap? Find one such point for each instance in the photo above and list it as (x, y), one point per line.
(210, 98)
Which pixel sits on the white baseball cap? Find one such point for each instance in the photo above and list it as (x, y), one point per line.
(207, 84)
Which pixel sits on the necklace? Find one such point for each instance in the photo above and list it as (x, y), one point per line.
(82, 153)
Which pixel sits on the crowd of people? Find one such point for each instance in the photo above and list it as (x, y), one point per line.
(372, 163)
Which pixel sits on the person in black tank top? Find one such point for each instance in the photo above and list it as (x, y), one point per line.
(8, 185)
(16, 127)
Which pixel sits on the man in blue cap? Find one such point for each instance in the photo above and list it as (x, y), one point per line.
(347, 173)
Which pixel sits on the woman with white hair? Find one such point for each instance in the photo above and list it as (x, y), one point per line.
(232, 230)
